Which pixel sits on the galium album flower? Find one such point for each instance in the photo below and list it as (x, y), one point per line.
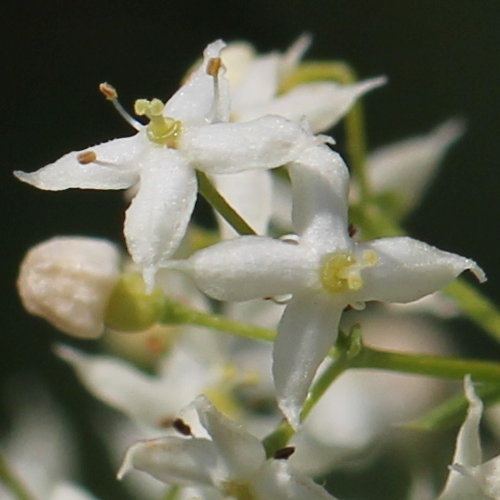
(470, 478)
(187, 133)
(325, 270)
(232, 461)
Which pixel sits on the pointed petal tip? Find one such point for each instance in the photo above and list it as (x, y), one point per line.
(477, 271)
(213, 49)
(370, 84)
(291, 411)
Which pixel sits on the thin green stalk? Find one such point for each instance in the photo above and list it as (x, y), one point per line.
(208, 191)
(178, 313)
(12, 482)
(423, 364)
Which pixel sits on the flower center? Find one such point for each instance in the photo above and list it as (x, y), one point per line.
(160, 129)
(240, 490)
(341, 272)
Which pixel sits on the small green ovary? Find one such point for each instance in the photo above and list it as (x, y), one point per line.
(341, 272)
(239, 490)
(160, 129)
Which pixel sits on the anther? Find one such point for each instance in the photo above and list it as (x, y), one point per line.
(284, 453)
(86, 157)
(213, 66)
(108, 91)
(180, 426)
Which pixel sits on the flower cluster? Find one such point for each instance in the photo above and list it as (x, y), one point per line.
(237, 117)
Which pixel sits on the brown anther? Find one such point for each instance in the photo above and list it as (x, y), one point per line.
(213, 66)
(352, 229)
(180, 426)
(86, 157)
(284, 453)
(108, 91)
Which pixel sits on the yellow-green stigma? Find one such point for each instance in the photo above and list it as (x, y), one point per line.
(160, 129)
(341, 272)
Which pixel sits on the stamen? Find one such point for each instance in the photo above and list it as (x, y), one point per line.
(214, 65)
(110, 94)
(86, 157)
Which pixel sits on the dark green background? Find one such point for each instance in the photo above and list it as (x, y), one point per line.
(441, 58)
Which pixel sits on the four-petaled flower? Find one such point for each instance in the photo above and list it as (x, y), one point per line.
(325, 271)
(189, 132)
(232, 461)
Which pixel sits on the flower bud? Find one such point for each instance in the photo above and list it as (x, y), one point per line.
(68, 281)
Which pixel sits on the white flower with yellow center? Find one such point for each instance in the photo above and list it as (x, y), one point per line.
(232, 461)
(325, 270)
(185, 134)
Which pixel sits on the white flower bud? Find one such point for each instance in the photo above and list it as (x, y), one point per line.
(68, 282)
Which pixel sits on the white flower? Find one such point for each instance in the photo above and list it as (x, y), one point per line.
(184, 135)
(254, 84)
(325, 271)
(471, 478)
(232, 461)
(68, 281)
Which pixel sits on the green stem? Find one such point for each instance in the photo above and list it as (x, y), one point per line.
(12, 482)
(208, 191)
(178, 313)
(423, 364)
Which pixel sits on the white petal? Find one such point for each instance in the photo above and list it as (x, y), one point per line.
(119, 169)
(225, 148)
(157, 218)
(121, 386)
(319, 189)
(407, 167)
(279, 482)
(68, 491)
(323, 104)
(408, 269)
(172, 460)
(236, 57)
(487, 475)
(258, 84)
(241, 452)
(291, 58)
(306, 333)
(250, 194)
(194, 102)
(250, 267)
